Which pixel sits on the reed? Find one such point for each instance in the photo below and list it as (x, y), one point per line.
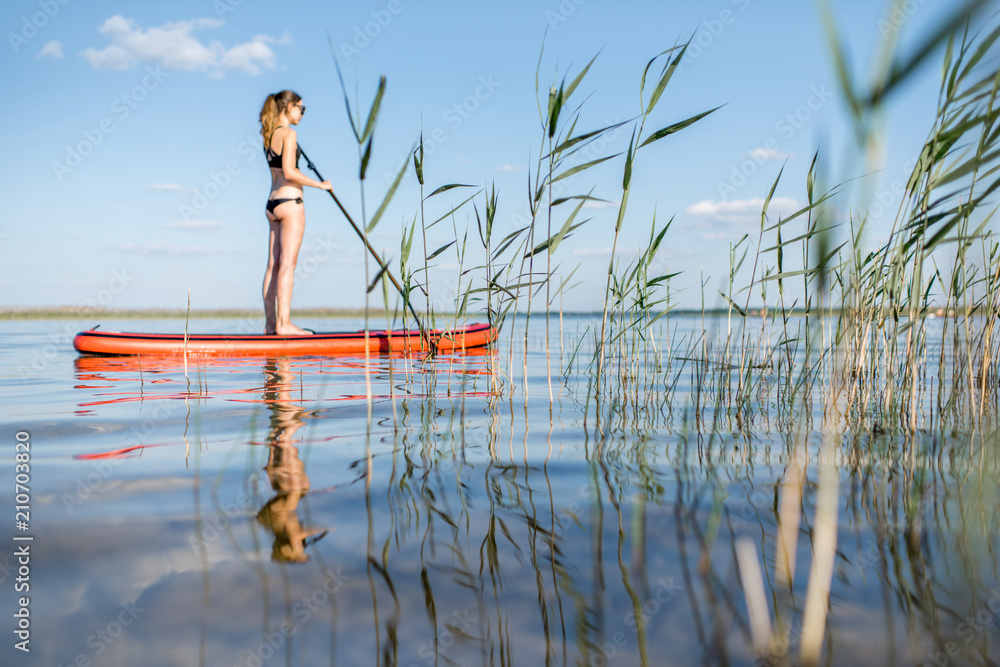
(888, 339)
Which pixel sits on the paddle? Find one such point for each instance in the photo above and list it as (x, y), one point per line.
(384, 268)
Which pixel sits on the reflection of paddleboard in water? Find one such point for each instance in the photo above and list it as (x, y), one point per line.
(285, 470)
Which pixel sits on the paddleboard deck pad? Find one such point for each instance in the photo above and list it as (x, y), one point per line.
(468, 337)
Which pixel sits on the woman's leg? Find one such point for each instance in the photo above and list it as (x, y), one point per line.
(270, 289)
(292, 227)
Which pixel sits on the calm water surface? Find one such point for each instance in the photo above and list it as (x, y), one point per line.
(256, 513)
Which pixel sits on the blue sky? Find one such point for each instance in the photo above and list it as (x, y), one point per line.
(134, 171)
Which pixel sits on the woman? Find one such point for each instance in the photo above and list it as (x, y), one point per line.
(285, 211)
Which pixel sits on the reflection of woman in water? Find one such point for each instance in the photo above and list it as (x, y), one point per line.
(284, 468)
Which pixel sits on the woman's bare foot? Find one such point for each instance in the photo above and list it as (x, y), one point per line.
(292, 330)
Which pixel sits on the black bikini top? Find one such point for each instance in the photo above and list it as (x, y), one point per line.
(274, 159)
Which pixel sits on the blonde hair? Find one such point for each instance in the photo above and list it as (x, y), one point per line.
(269, 113)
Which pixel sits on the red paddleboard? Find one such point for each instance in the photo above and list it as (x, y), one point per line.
(257, 345)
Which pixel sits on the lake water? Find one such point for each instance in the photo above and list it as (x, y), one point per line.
(259, 512)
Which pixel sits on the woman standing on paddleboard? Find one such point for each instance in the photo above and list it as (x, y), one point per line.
(285, 210)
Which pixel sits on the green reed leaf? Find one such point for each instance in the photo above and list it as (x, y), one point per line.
(952, 219)
(655, 241)
(445, 188)
(456, 208)
(677, 127)
(770, 193)
(788, 274)
(805, 209)
(553, 242)
(569, 143)
(839, 58)
(388, 198)
(465, 301)
(563, 200)
(811, 233)
(781, 255)
(900, 71)
(555, 106)
(365, 157)
(485, 234)
(668, 72)
(418, 160)
(406, 244)
(984, 46)
(818, 269)
(950, 69)
(343, 88)
(811, 176)
(579, 77)
(508, 240)
(587, 165)
(664, 278)
(621, 210)
(627, 175)
(441, 249)
(373, 111)
(645, 71)
(538, 69)
(460, 252)
(733, 304)
(966, 168)
(572, 126)
(378, 277)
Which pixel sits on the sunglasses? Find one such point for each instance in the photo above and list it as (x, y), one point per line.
(302, 108)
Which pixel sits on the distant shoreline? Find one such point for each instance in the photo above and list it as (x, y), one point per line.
(68, 312)
(71, 312)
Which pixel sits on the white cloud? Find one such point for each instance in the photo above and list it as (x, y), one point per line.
(249, 57)
(741, 210)
(194, 224)
(111, 57)
(167, 187)
(509, 168)
(173, 47)
(764, 154)
(51, 50)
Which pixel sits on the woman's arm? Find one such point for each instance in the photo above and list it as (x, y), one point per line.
(290, 171)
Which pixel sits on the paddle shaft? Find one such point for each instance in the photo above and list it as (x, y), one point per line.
(364, 239)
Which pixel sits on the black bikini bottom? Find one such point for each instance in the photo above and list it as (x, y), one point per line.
(275, 203)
